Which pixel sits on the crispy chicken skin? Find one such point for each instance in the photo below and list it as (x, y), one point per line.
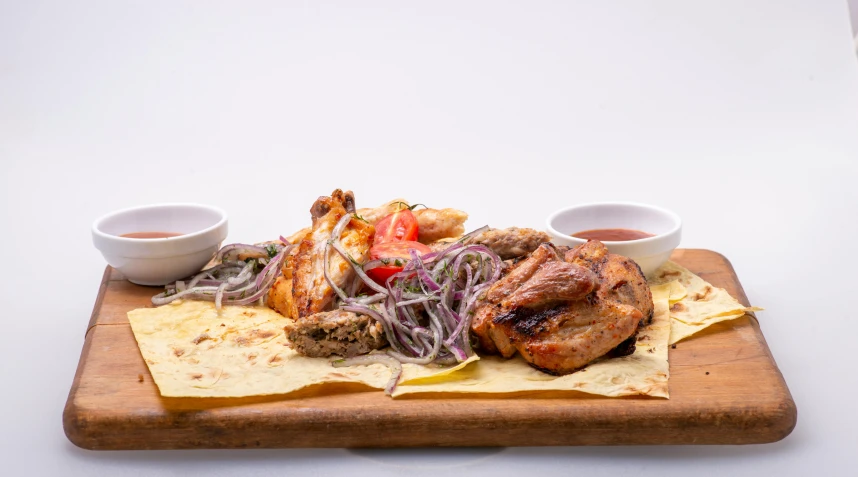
(436, 224)
(311, 293)
(489, 308)
(555, 281)
(621, 278)
(561, 309)
(280, 296)
(512, 242)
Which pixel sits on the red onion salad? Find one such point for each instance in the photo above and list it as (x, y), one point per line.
(426, 309)
(243, 277)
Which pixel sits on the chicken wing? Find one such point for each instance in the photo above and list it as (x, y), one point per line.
(311, 292)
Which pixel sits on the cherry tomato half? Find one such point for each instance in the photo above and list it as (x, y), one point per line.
(396, 253)
(400, 225)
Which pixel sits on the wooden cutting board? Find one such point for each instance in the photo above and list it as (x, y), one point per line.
(725, 388)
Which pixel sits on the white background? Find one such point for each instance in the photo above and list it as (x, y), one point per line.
(740, 116)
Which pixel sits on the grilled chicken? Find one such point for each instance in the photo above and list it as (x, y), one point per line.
(620, 277)
(561, 311)
(311, 292)
(565, 338)
(436, 224)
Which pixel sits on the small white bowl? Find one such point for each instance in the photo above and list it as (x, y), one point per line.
(649, 253)
(159, 261)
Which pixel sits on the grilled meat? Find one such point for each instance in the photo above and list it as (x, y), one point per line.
(512, 242)
(560, 312)
(436, 224)
(280, 296)
(336, 332)
(565, 338)
(620, 277)
(554, 282)
(311, 293)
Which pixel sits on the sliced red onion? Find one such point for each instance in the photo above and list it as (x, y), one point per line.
(230, 282)
(445, 284)
(232, 251)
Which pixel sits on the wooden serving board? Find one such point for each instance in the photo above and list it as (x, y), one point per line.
(725, 388)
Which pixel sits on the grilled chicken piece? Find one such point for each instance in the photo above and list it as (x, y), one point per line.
(521, 273)
(621, 278)
(563, 339)
(310, 291)
(335, 332)
(512, 242)
(554, 282)
(561, 313)
(489, 308)
(436, 224)
(280, 296)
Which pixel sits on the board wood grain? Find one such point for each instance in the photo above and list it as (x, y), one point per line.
(725, 388)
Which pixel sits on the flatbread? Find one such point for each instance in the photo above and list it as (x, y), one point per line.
(695, 304)
(192, 351)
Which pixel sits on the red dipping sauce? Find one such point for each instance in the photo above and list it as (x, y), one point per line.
(612, 235)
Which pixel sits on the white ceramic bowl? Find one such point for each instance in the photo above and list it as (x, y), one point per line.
(650, 253)
(159, 261)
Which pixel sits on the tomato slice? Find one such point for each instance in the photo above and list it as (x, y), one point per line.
(398, 226)
(396, 253)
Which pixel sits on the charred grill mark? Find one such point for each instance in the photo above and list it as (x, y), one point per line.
(545, 370)
(320, 208)
(592, 299)
(638, 267)
(527, 321)
(619, 284)
(625, 348)
(349, 202)
(678, 306)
